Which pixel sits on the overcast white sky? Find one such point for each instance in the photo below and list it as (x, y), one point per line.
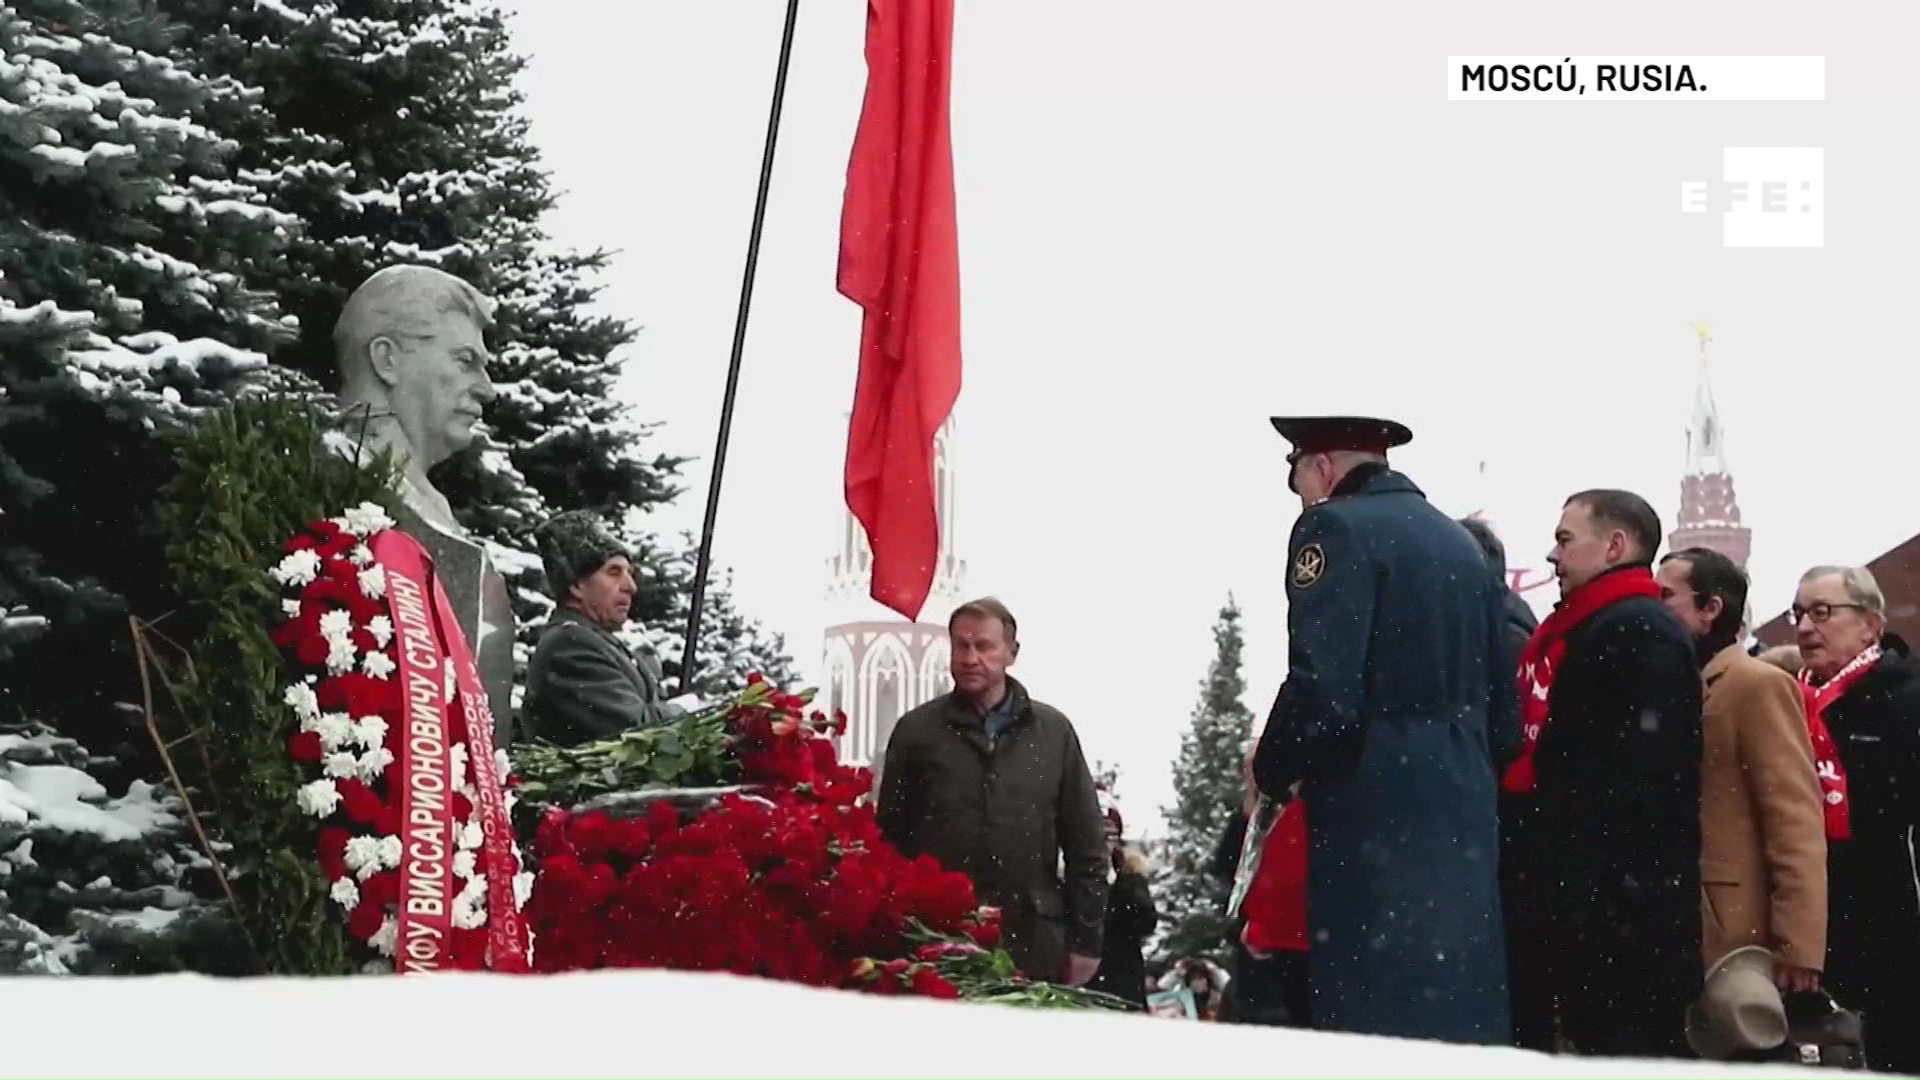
(1176, 221)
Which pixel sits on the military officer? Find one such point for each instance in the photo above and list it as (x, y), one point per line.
(1399, 693)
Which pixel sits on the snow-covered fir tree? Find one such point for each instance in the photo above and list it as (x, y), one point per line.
(130, 273)
(392, 128)
(1207, 791)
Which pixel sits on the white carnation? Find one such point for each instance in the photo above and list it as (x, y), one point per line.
(374, 762)
(385, 938)
(345, 893)
(470, 907)
(366, 519)
(340, 655)
(378, 664)
(341, 766)
(373, 582)
(502, 765)
(464, 864)
(381, 628)
(522, 889)
(298, 568)
(363, 856)
(335, 729)
(336, 624)
(318, 798)
(362, 555)
(469, 836)
(370, 731)
(291, 607)
(390, 852)
(304, 702)
(457, 756)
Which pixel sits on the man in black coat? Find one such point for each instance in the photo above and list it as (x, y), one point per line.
(1610, 768)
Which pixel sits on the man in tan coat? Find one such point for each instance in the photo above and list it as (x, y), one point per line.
(1763, 857)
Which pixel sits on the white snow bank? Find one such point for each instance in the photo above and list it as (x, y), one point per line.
(677, 1024)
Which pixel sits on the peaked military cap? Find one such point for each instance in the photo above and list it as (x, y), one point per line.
(1330, 434)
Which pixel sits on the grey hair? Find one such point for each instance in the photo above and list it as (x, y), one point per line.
(1490, 544)
(1861, 588)
(401, 302)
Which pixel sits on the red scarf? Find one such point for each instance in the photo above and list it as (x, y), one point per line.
(1541, 658)
(1826, 759)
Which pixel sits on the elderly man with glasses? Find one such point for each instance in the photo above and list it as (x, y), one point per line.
(1864, 684)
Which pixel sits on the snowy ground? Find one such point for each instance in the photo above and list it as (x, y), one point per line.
(669, 1024)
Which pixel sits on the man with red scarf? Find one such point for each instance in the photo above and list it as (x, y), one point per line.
(1398, 693)
(1610, 769)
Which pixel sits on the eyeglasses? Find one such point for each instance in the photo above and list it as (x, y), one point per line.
(1819, 612)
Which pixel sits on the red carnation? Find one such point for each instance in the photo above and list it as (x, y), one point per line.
(663, 819)
(592, 835)
(986, 935)
(362, 806)
(312, 651)
(462, 807)
(300, 542)
(929, 983)
(365, 919)
(631, 839)
(754, 679)
(289, 634)
(550, 835)
(333, 852)
(305, 746)
(382, 888)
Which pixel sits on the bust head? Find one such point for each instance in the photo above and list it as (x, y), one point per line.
(411, 345)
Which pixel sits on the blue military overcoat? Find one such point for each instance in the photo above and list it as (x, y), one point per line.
(1400, 691)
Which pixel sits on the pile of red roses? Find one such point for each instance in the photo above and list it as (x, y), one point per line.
(793, 882)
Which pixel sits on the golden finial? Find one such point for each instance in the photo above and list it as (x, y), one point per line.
(1703, 334)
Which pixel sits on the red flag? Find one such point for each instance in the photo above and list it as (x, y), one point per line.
(900, 261)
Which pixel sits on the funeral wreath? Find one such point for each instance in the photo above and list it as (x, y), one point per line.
(407, 793)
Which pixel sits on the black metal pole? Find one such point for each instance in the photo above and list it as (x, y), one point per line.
(704, 564)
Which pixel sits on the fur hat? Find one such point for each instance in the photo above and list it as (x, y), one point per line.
(574, 545)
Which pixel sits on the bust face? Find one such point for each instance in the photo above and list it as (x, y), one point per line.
(440, 385)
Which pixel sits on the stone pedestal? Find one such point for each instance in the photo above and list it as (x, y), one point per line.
(483, 607)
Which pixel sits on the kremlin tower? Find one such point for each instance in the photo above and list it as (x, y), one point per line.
(1709, 513)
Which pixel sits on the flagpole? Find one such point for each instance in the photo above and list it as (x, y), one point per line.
(704, 564)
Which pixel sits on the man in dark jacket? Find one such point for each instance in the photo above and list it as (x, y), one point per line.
(1610, 765)
(582, 684)
(994, 784)
(1397, 686)
(1528, 997)
(1864, 685)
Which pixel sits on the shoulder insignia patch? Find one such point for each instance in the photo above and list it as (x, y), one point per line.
(1308, 566)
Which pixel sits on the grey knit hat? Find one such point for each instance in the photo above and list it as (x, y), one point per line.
(574, 545)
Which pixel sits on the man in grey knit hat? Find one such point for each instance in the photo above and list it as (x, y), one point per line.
(582, 683)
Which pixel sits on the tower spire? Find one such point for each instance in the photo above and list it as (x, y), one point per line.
(1709, 513)
(1706, 452)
